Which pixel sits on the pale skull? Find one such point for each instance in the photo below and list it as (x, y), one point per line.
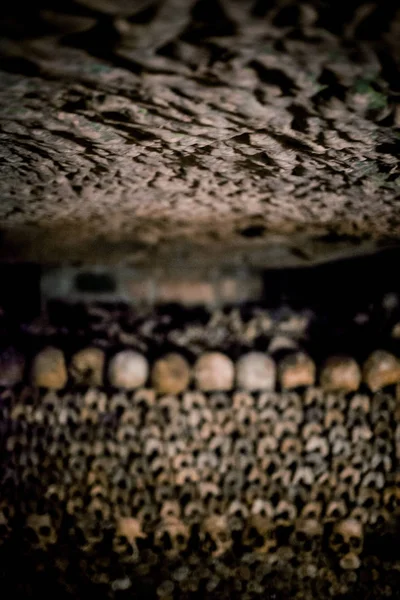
(128, 533)
(346, 541)
(172, 535)
(307, 535)
(216, 535)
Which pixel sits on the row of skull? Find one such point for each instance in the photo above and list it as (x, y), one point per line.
(212, 371)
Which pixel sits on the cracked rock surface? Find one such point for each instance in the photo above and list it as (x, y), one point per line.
(131, 129)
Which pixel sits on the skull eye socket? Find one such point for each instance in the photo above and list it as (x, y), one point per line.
(122, 540)
(223, 537)
(355, 542)
(308, 546)
(166, 541)
(275, 499)
(337, 539)
(368, 503)
(211, 544)
(283, 515)
(44, 530)
(253, 533)
(380, 520)
(158, 472)
(146, 516)
(153, 455)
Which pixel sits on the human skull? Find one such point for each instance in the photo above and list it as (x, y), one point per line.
(361, 514)
(255, 371)
(40, 532)
(259, 534)
(215, 535)
(193, 511)
(49, 369)
(237, 514)
(128, 370)
(379, 520)
(380, 370)
(285, 513)
(346, 541)
(172, 536)
(336, 509)
(340, 373)
(87, 366)
(88, 532)
(171, 374)
(214, 371)
(317, 444)
(296, 370)
(128, 533)
(391, 499)
(307, 535)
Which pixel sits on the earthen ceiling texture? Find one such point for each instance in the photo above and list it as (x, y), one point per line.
(140, 130)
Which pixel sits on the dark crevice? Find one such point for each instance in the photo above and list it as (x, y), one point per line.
(274, 77)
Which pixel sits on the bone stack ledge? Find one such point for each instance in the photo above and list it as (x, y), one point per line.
(192, 453)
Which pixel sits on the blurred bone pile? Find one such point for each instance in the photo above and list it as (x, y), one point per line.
(199, 472)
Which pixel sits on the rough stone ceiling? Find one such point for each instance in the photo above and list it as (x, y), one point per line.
(131, 128)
